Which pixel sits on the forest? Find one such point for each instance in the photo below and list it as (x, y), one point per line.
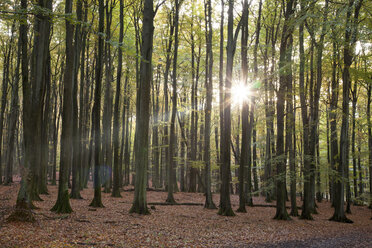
(185, 123)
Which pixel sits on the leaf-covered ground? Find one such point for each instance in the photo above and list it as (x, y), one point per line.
(175, 226)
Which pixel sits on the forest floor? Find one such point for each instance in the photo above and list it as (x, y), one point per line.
(175, 226)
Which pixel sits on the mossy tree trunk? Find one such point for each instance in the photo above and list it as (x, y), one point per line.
(22, 211)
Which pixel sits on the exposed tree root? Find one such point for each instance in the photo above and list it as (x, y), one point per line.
(226, 212)
(342, 219)
(282, 216)
(21, 215)
(241, 210)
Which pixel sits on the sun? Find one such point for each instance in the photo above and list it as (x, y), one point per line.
(240, 93)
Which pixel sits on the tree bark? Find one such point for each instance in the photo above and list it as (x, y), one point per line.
(96, 113)
(172, 138)
(77, 153)
(285, 77)
(225, 203)
(142, 126)
(63, 202)
(244, 163)
(22, 211)
(116, 124)
(354, 94)
(350, 40)
(13, 117)
(208, 106)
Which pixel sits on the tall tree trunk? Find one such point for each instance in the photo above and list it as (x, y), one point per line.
(172, 138)
(285, 77)
(290, 141)
(107, 107)
(77, 153)
(194, 114)
(253, 121)
(34, 95)
(96, 112)
(116, 127)
(314, 103)
(63, 202)
(13, 117)
(22, 211)
(84, 106)
(4, 90)
(307, 198)
(244, 163)
(225, 203)
(268, 117)
(42, 185)
(361, 185)
(142, 126)
(351, 31)
(333, 116)
(369, 90)
(208, 105)
(165, 88)
(221, 93)
(353, 152)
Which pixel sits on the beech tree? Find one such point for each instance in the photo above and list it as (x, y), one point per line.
(108, 100)
(143, 115)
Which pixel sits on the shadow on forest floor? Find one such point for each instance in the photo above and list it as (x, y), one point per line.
(175, 226)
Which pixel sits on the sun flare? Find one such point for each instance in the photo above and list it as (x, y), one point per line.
(240, 93)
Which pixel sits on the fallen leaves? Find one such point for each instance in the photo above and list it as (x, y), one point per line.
(173, 226)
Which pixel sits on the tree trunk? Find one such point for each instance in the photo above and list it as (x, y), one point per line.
(290, 124)
(353, 152)
(307, 198)
(22, 211)
(172, 138)
(221, 92)
(13, 117)
(225, 204)
(369, 90)
(63, 202)
(76, 161)
(4, 90)
(116, 127)
(142, 126)
(351, 31)
(166, 100)
(107, 107)
(253, 121)
(96, 113)
(208, 105)
(244, 163)
(194, 114)
(285, 78)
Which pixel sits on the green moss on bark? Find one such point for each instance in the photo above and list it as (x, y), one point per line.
(62, 205)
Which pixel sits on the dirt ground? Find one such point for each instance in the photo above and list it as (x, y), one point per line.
(175, 226)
